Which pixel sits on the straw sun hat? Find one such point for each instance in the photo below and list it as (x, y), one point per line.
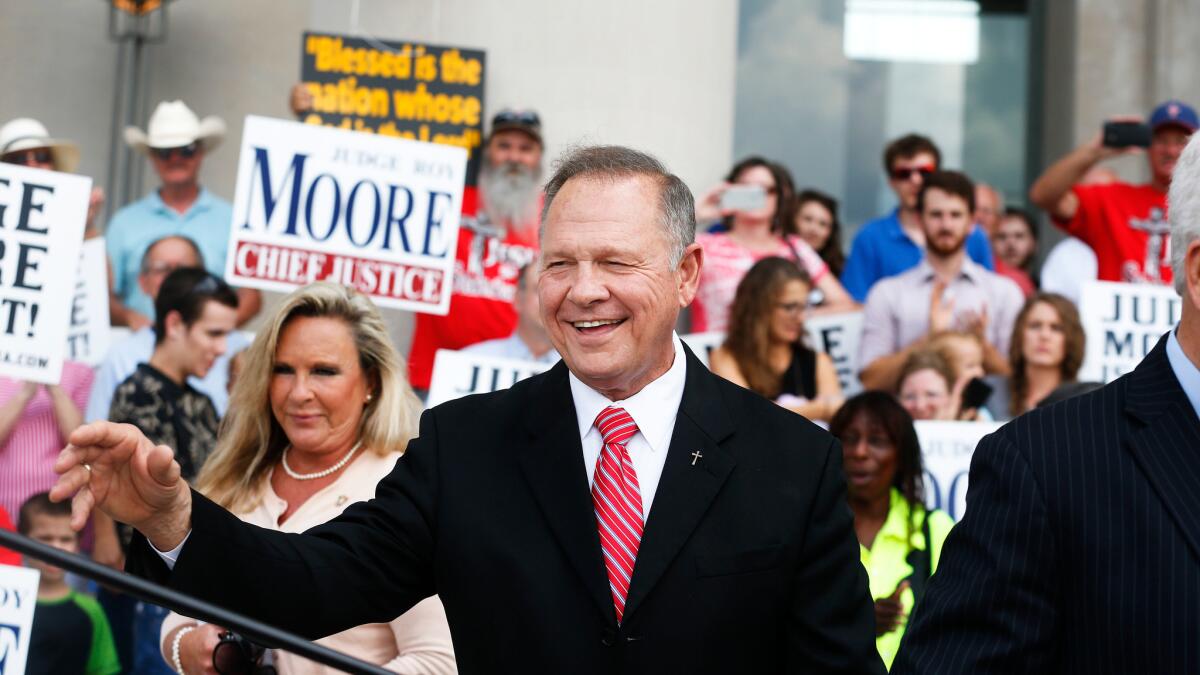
(24, 133)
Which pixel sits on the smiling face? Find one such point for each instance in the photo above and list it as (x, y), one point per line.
(926, 395)
(814, 222)
(609, 295)
(318, 388)
(870, 458)
(787, 319)
(1043, 337)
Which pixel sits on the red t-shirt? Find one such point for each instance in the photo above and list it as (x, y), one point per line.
(486, 266)
(1126, 225)
(8, 557)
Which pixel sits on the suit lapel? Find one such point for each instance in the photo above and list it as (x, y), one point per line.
(553, 466)
(685, 490)
(1165, 440)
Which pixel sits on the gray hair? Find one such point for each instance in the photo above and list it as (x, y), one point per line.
(1183, 210)
(677, 207)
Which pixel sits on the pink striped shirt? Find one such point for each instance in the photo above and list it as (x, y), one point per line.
(27, 455)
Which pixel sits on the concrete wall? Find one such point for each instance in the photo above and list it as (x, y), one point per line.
(658, 76)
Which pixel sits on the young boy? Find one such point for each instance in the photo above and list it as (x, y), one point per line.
(70, 631)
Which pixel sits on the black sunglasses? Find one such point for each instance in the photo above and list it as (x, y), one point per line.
(908, 174)
(28, 157)
(517, 117)
(185, 151)
(235, 655)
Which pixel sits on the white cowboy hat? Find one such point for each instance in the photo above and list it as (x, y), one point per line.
(24, 133)
(174, 125)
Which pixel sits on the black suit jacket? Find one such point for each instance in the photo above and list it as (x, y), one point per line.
(1078, 550)
(748, 563)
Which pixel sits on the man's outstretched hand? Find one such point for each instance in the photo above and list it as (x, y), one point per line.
(116, 469)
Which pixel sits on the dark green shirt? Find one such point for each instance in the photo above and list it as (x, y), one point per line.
(71, 635)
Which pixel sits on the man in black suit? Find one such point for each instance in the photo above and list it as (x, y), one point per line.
(1080, 548)
(693, 527)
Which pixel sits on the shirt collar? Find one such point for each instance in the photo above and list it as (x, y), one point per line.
(204, 202)
(893, 225)
(970, 270)
(1185, 371)
(653, 409)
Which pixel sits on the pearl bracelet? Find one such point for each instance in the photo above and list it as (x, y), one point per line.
(175, 647)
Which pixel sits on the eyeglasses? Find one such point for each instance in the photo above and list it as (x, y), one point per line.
(235, 655)
(908, 173)
(161, 268)
(29, 157)
(185, 151)
(527, 117)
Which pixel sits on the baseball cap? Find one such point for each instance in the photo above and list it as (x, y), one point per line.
(1174, 113)
(512, 119)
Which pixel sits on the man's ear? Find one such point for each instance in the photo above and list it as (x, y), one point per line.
(1191, 270)
(688, 273)
(175, 327)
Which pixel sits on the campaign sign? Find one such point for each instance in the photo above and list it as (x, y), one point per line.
(1123, 322)
(89, 333)
(457, 374)
(42, 215)
(946, 451)
(18, 597)
(375, 213)
(837, 335)
(408, 89)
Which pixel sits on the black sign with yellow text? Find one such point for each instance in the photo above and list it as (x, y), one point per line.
(407, 89)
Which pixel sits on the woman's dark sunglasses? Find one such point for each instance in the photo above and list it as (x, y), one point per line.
(28, 157)
(235, 655)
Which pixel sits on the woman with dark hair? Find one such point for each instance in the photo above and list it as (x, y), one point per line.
(816, 220)
(764, 350)
(758, 228)
(900, 541)
(1015, 244)
(1046, 352)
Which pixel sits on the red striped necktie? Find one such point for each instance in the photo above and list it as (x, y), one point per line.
(618, 502)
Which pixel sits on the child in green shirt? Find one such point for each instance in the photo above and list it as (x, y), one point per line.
(70, 632)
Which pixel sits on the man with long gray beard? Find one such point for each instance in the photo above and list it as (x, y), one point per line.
(497, 239)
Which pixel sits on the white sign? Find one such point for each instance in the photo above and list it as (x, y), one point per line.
(457, 374)
(377, 213)
(837, 335)
(18, 597)
(946, 451)
(42, 215)
(1123, 322)
(89, 334)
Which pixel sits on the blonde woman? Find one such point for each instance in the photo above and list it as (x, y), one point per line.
(320, 413)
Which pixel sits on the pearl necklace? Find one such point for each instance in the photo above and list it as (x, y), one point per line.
(319, 474)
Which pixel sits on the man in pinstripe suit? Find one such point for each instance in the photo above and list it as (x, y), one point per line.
(1080, 548)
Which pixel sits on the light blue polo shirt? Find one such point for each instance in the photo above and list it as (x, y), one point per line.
(149, 219)
(882, 249)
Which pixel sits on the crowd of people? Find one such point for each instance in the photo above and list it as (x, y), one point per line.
(290, 426)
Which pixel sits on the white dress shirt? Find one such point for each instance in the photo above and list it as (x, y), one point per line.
(653, 409)
(1185, 371)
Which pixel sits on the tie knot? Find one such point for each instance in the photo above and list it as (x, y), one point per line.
(615, 425)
